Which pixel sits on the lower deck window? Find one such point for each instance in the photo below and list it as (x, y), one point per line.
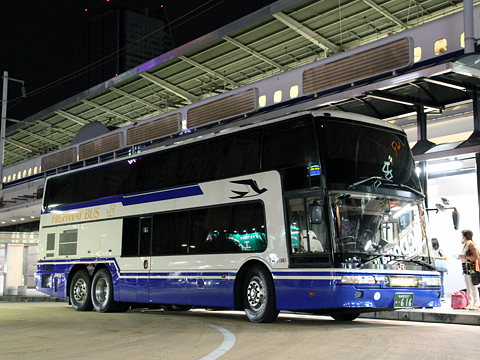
(221, 229)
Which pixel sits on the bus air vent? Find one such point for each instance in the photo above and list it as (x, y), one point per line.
(50, 242)
(155, 129)
(68, 242)
(100, 146)
(228, 107)
(380, 60)
(58, 159)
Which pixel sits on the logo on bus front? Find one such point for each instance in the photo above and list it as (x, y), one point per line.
(251, 189)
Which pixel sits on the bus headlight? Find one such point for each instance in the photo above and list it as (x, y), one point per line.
(432, 281)
(358, 279)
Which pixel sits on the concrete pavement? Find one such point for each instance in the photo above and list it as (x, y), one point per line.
(444, 314)
(31, 295)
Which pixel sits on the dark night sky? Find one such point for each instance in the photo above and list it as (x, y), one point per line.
(37, 40)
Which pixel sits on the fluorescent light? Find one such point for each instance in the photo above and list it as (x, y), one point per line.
(442, 83)
(444, 166)
(391, 100)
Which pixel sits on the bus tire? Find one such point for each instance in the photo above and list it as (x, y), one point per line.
(80, 291)
(259, 296)
(102, 292)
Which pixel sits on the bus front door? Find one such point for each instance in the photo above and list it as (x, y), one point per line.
(143, 281)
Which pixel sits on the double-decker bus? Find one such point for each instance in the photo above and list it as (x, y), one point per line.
(315, 211)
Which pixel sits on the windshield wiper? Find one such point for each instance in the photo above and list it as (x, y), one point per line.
(412, 259)
(387, 183)
(402, 186)
(420, 262)
(362, 263)
(353, 185)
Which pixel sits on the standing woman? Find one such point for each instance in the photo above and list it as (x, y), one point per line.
(469, 256)
(440, 263)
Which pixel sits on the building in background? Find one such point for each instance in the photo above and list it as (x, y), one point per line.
(117, 39)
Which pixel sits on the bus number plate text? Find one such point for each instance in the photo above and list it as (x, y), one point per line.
(403, 300)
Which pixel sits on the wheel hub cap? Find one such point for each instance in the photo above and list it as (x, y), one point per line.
(101, 291)
(255, 293)
(80, 290)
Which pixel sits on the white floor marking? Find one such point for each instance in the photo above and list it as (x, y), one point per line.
(228, 342)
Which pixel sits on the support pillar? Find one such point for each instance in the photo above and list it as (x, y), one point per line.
(422, 144)
(421, 147)
(14, 268)
(468, 26)
(477, 163)
(424, 180)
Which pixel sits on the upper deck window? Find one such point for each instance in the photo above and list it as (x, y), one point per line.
(440, 47)
(277, 96)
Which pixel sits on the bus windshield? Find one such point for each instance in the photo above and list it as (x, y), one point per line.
(375, 231)
(373, 156)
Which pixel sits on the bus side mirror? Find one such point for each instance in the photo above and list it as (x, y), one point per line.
(316, 213)
(456, 218)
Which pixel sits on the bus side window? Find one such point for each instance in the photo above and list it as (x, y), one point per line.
(306, 237)
(291, 149)
(296, 214)
(208, 230)
(170, 233)
(248, 227)
(243, 153)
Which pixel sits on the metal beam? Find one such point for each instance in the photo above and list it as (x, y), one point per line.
(386, 13)
(254, 53)
(103, 108)
(42, 138)
(207, 70)
(307, 33)
(56, 128)
(133, 97)
(404, 100)
(44, 124)
(21, 145)
(172, 88)
(72, 117)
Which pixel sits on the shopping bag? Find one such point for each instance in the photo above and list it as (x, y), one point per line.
(459, 300)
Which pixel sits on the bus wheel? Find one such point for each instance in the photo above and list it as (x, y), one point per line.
(259, 296)
(102, 292)
(80, 291)
(345, 316)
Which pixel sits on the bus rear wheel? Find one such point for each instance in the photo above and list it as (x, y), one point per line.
(80, 291)
(102, 292)
(259, 296)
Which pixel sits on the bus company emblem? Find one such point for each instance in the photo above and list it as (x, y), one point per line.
(251, 186)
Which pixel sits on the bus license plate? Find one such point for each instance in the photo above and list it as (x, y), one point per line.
(403, 300)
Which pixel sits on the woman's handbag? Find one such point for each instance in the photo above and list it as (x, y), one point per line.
(475, 277)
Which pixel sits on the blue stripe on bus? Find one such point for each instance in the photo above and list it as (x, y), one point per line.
(64, 265)
(311, 289)
(162, 195)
